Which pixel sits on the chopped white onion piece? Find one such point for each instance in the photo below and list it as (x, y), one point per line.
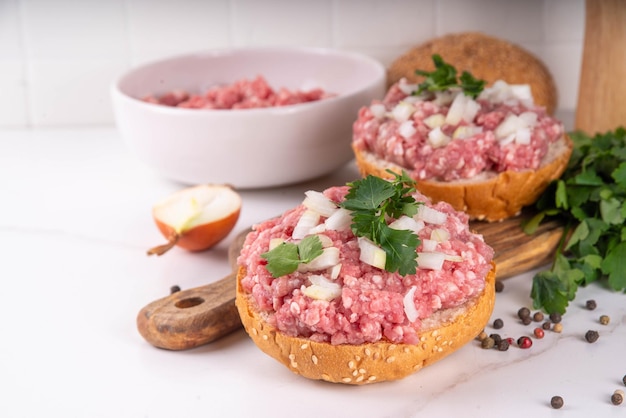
(462, 108)
(335, 270)
(322, 292)
(437, 138)
(435, 121)
(522, 136)
(430, 215)
(328, 258)
(403, 111)
(522, 92)
(407, 129)
(444, 98)
(439, 235)
(325, 240)
(455, 258)
(318, 229)
(466, 131)
(429, 245)
(409, 304)
(507, 140)
(509, 125)
(275, 242)
(307, 221)
(319, 203)
(407, 223)
(406, 87)
(340, 220)
(371, 253)
(378, 110)
(530, 118)
(430, 261)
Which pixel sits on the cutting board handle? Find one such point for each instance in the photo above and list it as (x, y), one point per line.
(602, 89)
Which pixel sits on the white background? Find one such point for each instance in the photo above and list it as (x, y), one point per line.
(58, 57)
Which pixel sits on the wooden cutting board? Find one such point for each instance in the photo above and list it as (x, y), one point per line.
(194, 317)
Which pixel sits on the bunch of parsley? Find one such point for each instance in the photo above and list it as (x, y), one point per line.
(372, 201)
(444, 77)
(590, 198)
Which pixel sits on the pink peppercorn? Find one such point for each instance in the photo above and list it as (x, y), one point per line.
(524, 342)
(539, 333)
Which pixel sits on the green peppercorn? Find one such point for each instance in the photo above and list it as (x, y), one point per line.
(555, 317)
(538, 316)
(556, 402)
(487, 343)
(604, 319)
(498, 323)
(591, 336)
(591, 304)
(482, 335)
(523, 313)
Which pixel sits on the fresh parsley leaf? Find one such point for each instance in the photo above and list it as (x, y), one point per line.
(286, 257)
(590, 199)
(444, 77)
(371, 201)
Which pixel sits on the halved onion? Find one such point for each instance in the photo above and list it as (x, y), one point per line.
(371, 253)
(409, 304)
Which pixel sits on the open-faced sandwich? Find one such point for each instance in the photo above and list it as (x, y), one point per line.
(488, 151)
(364, 283)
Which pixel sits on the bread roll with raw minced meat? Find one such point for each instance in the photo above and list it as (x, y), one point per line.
(486, 57)
(344, 316)
(488, 151)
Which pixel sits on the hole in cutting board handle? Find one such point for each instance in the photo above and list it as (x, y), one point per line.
(189, 302)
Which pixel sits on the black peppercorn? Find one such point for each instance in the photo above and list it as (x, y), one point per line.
(555, 317)
(591, 336)
(591, 304)
(538, 316)
(624, 380)
(174, 289)
(523, 313)
(496, 338)
(499, 286)
(527, 320)
(498, 323)
(546, 325)
(503, 345)
(556, 402)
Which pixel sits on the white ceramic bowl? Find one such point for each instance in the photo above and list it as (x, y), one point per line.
(250, 148)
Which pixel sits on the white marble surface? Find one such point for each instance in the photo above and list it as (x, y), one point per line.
(74, 226)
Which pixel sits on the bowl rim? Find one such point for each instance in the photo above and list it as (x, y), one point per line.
(116, 90)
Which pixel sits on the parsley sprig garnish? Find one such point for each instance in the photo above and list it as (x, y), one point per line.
(444, 77)
(590, 197)
(372, 200)
(287, 256)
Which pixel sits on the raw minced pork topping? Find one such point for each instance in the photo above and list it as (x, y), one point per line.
(450, 136)
(342, 300)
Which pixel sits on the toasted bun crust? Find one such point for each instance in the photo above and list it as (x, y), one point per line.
(489, 196)
(360, 364)
(486, 57)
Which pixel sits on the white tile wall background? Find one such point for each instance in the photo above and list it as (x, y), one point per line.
(58, 57)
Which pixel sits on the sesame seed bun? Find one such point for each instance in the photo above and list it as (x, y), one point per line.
(486, 57)
(442, 334)
(490, 196)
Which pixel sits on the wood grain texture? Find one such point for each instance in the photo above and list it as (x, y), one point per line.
(198, 316)
(601, 106)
